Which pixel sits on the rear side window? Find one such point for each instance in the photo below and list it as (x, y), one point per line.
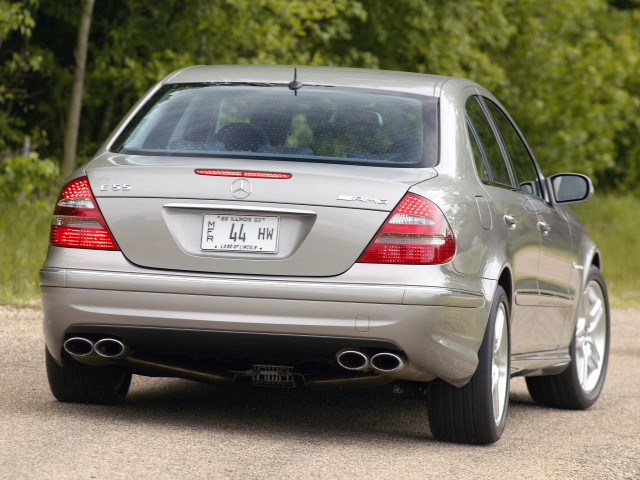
(527, 178)
(480, 125)
(478, 158)
(319, 124)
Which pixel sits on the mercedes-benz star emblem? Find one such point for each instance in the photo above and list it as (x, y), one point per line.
(241, 188)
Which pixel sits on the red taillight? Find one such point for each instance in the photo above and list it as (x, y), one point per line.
(416, 232)
(243, 173)
(77, 221)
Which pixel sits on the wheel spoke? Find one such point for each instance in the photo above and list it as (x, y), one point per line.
(596, 311)
(498, 337)
(495, 391)
(580, 326)
(583, 367)
(499, 367)
(594, 357)
(595, 317)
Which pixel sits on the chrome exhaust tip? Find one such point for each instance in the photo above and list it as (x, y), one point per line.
(352, 360)
(387, 362)
(110, 348)
(78, 347)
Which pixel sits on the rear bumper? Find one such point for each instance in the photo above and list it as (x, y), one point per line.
(314, 290)
(438, 329)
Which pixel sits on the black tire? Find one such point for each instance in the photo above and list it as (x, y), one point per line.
(567, 390)
(466, 414)
(75, 382)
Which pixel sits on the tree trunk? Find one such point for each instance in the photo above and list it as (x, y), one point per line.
(75, 106)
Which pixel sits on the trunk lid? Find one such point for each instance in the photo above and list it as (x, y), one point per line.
(315, 223)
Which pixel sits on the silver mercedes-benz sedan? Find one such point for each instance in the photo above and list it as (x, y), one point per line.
(324, 226)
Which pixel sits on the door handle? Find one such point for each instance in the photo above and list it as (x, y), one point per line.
(544, 227)
(511, 221)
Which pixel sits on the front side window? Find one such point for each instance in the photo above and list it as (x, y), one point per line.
(320, 124)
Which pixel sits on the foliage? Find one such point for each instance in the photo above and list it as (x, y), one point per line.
(569, 65)
(568, 71)
(447, 38)
(25, 179)
(624, 175)
(16, 62)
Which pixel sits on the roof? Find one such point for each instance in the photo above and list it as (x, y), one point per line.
(331, 76)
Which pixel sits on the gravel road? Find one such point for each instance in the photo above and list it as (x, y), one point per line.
(174, 428)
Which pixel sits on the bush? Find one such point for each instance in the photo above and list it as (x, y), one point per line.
(26, 179)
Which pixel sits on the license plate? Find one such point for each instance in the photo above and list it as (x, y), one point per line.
(240, 233)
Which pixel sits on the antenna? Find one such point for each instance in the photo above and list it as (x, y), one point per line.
(295, 85)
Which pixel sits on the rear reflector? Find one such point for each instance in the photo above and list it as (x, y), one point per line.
(416, 232)
(77, 221)
(242, 173)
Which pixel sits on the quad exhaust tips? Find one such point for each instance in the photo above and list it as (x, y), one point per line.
(387, 362)
(78, 347)
(110, 348)
(383, 362)
(102, 352)
(353, 360)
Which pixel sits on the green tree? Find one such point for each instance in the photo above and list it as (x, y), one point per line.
(446, 38)
(567, 71)
(16, 62)
(569, 66)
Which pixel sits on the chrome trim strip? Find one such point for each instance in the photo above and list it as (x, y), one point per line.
(527, 297)
(555, 299)
(241, 208)
(280, 289)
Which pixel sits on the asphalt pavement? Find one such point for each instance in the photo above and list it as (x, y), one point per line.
(172, 428)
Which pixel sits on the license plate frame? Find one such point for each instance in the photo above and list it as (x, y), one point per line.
(240, 233)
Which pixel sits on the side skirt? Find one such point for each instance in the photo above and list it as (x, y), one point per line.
(550, 362)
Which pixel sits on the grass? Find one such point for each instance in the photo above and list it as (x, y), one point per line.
(24, 235)
(612, 221)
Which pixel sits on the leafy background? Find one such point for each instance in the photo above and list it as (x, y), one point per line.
(568, 71)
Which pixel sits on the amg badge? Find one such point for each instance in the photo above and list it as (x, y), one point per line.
(355, 198)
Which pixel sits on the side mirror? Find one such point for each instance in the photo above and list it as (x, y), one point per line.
(570, 187)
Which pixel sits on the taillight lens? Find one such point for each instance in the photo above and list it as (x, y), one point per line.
(77, 221)
(416, 232)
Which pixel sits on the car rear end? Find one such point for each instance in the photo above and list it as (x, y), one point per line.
(237, 226)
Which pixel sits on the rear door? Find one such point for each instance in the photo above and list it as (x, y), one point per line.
(554, 262)
(516, 212)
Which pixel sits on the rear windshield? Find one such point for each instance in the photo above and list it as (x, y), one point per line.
(318, 124)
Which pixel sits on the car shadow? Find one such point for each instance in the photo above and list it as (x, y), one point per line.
(339, 411)
(366, 413)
